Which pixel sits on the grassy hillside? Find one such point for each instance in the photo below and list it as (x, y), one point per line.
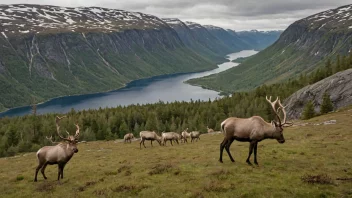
(114, 169)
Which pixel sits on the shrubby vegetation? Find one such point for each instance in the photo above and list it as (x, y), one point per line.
(27, 133)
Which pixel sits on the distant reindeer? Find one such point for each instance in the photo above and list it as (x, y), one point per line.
(210, 130)
(194, 135)
(253, 130)
(148, 135)
(59, 154)
(128, 137)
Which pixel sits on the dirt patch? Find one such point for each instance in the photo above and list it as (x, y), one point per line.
(87, 184)
(163, 168)
(126, 169)
(214, 186)
(101, 192)
(131, 189)
(317, 179)
(46, 187)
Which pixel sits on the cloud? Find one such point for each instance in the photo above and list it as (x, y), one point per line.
(232, 14)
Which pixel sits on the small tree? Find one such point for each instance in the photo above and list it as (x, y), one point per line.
(308, 111)
(326, 105)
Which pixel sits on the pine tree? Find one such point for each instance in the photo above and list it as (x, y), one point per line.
(308, 111)
(326, 105)
(328, 67)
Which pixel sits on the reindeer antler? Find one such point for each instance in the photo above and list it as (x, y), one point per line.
(51, 139)
(58, 127)
(77, 131)
(273, 104)
(284, 112)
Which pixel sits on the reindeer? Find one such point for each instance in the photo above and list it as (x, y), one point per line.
(253, 130)
(148, 135)
(59, 154)
(128, 137)
(210, 130)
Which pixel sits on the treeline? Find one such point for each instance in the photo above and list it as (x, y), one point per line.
(27, 133)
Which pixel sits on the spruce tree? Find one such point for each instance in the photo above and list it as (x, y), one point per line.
(326, 105)
(308, 111)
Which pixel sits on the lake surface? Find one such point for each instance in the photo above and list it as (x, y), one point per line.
(165, 88)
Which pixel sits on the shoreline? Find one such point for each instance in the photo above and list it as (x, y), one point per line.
(111, 90)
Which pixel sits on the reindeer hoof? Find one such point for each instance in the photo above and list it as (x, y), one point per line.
(221, 161)
(35, 180)
(249, 163)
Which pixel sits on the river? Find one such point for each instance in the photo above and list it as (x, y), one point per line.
(160, 88)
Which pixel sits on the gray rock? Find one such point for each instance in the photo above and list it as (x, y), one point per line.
(338, 86)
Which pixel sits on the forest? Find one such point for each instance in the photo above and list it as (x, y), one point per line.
(27, 133)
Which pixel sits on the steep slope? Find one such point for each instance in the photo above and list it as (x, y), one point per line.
(338, 86)
(50, 51)
(230, 39)
(302, 47)
(189, 38)
(259, 40)
(208, 40)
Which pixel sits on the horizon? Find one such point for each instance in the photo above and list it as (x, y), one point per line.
(266, 17)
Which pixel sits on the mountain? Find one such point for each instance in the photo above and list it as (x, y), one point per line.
(259, 40)
(304, 46)
(338, 86)
(193, 41)
(230, 39)
(50, 51)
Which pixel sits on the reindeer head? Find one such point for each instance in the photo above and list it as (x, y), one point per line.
(70, 139)
(278, 134)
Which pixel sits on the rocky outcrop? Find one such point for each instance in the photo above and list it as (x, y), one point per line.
(338, 86)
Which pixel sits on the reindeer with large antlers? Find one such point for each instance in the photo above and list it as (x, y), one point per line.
(59, 154)
(253, 130)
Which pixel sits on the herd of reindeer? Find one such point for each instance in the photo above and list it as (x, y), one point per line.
(252, 130)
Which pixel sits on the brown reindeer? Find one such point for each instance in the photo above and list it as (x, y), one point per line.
(59, 154)
(210, 130)
(128, 137)
(253, 130)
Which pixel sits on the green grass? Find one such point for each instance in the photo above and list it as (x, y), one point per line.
(115, 169)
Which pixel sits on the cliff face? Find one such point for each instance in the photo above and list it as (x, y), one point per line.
(92, 50)
(338, 86)
(303, 46)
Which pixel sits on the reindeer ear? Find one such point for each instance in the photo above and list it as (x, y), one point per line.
(273, 123)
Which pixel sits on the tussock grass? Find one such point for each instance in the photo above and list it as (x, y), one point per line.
(321, 153)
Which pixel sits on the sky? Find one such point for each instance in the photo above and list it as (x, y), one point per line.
(230, 14)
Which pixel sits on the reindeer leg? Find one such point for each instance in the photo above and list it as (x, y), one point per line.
(177, 141)
(58, 172)
(151, 142)
(255, 153)
(251, 147)
(227, 147)
(171, 143)
(36, 171)
(222, 146)
(62, 171)
(43, 170)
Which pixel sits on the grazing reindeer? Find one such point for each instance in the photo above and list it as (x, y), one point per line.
(194, 135)
(210, 130)
(148, 135)
(59, 154)
(253, 130)
(128, 137)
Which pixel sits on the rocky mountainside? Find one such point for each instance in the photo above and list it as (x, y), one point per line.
(302, 47)
(338, 86)
(193, 41)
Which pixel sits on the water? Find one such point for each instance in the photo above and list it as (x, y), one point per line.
(165, 88)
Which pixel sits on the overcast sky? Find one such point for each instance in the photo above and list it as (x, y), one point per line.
(231, 14)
